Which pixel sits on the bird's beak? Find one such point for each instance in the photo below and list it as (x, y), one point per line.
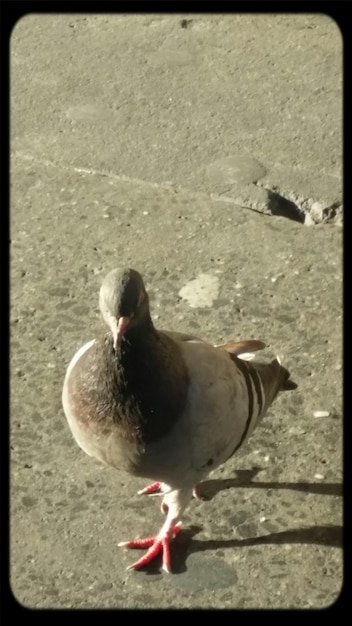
(118, 328)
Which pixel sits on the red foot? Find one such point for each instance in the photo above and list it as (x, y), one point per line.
(150, 489)
(155, 487)
(155, 545)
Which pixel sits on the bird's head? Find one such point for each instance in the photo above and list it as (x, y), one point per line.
(123, 302)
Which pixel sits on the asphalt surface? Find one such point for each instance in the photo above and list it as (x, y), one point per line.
(166, 142)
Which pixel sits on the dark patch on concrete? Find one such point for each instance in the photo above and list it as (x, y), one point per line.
(185, 23)
(205, 572)
(278, 205)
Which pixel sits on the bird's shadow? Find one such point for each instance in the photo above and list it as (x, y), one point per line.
(209, 488)
(186, 544)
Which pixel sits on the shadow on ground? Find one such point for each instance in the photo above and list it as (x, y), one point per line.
(185, 544)
(209, 488)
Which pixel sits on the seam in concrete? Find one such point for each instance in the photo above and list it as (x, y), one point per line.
(288, 205)
(128, 179)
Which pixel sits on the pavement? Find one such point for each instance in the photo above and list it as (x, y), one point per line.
(206, 152)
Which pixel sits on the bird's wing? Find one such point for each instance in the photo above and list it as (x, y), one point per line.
(227, 397)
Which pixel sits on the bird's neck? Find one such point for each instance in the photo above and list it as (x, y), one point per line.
(153, 377)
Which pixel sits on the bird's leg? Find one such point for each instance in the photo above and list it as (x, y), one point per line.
(195, 493)
(155, 488)
(174, 503)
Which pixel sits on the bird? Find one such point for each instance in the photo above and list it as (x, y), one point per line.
(163, 405)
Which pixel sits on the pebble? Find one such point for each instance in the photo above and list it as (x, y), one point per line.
(321, 413)
(296, 430)
(275, 278)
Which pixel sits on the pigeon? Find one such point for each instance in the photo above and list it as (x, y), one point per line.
(161, 405)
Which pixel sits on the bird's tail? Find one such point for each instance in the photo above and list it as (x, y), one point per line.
(285, 378)
(274, 378)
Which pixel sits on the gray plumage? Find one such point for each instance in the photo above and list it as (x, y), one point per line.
(163, 405)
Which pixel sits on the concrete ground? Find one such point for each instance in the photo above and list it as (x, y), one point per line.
(178, 144)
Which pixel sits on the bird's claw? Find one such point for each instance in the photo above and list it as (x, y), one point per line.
(150, 489)
(155, 545)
